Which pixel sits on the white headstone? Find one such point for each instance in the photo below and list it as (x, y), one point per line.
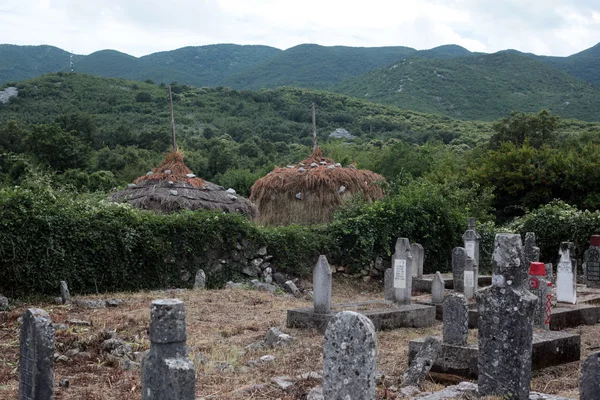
(437, 288)
(402, 270)
(322, 286)
(566, 280)
(418, 254)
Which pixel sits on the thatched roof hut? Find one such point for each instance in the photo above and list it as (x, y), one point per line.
(172, 187)
(308, 193)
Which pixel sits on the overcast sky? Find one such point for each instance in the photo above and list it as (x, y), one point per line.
(140, 27)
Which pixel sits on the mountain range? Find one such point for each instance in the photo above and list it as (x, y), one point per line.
(448, 79)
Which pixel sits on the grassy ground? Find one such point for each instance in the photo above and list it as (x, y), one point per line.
(220, 324)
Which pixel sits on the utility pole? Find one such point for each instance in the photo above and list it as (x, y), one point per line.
(174, 144)
(314, 121)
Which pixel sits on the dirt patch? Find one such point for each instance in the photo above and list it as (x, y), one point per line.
(220, 324)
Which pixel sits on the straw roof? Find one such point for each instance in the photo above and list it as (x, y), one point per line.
(172, 187)
(309, 193)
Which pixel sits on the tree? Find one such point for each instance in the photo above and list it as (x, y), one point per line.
(61, 150)
(539, 129)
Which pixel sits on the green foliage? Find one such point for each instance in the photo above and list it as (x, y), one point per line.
(143, 97)
(55, 147)
(519, 128)
(558, 222)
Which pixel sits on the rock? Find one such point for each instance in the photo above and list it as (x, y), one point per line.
(184, 275)
(314, 165)
(78, 322)
(251, 271)
(114, 302)
(264, 287)
(60, 327)
(315, 393)
(299, 195)
(63, 383)
(422, 363)
(224, 366)
(230, 191)
(280, 278)
(90, 303)
(291, 287)
(4, 303)
(275, 337)
(112, 344)
(128, 365)
(233, 285)
(310, 375)
(267, 275)
(61, 359)
(7, 93)
(301, 169)
(341, 133)
(262, 251)
(342, 189)
(256, 263)
(190, 175)
(173, 192)
(72, 353)
(283, 382)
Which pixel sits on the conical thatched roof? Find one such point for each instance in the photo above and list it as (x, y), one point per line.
(173, 187)
(308, 193)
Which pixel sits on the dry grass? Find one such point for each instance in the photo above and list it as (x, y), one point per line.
(275, 194)
(220, 324)
(174, 163)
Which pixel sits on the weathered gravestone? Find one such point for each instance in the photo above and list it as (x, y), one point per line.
(531, 253)
(64, 292)
(322, 282)
(455, 329)
(471, 241)
(421, 365)
(402, 271)
(549, 272)
(200, 281)
(167, 373)
(418, 256)
(459, 256)
(566, 279)
(388, 284)
(437, 288)
(589, 383)
(349, 358)
(591, 265)
(470, 279)
(36, 360)
(540, 288)
(505, 325)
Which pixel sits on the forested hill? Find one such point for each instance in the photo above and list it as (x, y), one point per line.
(484, 86)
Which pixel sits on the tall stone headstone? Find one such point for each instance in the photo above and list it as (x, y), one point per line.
(167, 373)
(549, 272)
(471, 241)
(65, 295)
(589, 382)
(349, 357)
(418, 254)
(322, 284)
(505, 325)
(459, 256)
(200, 281)
(437, 288)
(540, 287)
(470, 279)
(591, 263)
(566, 275)
(455, 328)
(388, 284)
(531, 253)
(402, 270)
(36, 359)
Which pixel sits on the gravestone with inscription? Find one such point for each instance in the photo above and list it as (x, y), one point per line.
(505, 325)
(349, 357)
(531, 253)
(167, 373)
(456, 320)
(36, 359)
(418, 255)
(566, 279)
(540, 287)
(591, 260)
(402, 271)
(459, 256)
(471, 242)
(437, 288)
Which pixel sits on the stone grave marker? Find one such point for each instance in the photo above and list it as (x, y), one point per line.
(388, 284)
(470, 279)
(200, 281)
(322, 286)
(549, 272)
(589, 382)
(455, 328)
(471, 241)
(36, 359)
(531, 253)
(437, 288)
(591, 260)
(459, 256)
(566, 279)
(64, 292)
(418, 254)
(540, 287)
(402, 271)
(349, 357)
(505, 325)
(167, 373)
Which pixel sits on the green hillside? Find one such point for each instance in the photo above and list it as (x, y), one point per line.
(477, 87)
(23, 62)
(583, 65)
(314, 66)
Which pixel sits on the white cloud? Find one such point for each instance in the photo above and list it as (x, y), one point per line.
(138, 27)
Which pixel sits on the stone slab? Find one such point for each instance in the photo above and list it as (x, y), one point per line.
(563, 317)
(386, 317)
(423, 285)
(550, 348)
